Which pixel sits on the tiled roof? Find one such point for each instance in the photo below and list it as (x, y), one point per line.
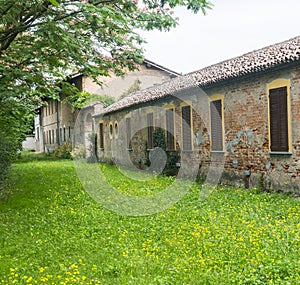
(249, 63)
(158, 66)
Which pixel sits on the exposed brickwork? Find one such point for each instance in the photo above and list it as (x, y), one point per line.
(246, 138)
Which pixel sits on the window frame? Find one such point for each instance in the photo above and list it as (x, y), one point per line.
(214, 98)
(116, 129)
(183, 105)
(150, 129)
(276, 84)
(110, 130)
(173, 131)
(101, 135)
(128, 131)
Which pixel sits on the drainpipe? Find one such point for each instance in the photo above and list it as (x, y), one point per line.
(58, 138)
(42, 141)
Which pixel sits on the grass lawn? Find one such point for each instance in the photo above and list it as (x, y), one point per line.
(52, 232)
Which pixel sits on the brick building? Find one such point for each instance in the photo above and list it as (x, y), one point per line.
(54, 123)
(240, 116)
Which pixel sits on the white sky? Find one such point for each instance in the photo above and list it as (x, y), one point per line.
(231, 28)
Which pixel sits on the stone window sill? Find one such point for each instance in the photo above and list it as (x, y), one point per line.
(280, 153)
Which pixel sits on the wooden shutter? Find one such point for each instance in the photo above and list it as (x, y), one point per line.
(170, 128)
(186, 128)
(278, 119)
(128, 133)
(101, 135)
(150, 130)
(216, 125)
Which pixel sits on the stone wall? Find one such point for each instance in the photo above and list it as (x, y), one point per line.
(246, 158)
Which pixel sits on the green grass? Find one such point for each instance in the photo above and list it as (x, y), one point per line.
(52, 232)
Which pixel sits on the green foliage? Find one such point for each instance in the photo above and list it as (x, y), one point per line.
(73, 96)
(106, 100)
(63, 151)
(15, 120)
(159, 140)
(134, 87)
(78, 151)
(43, 42)
(52, 232)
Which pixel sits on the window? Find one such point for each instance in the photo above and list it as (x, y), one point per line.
(101, 135)
(53, 137)
(278, 119)
(216, 125)
(186, 127)
(110, 130)
(150, 130)
(116, 129)
(70, 135)
(49, 136)
(279, 116)
(170, 143)
(64, 137)
(128, 133)
(60, 135)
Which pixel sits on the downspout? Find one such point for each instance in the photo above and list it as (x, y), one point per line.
(58, 138)
(42, 138)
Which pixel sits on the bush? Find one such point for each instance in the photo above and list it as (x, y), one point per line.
(12, 131)
(159, 140)
(78, 151)
(63, 151)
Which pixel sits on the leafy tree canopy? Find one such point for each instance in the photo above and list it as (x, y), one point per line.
(42, 42)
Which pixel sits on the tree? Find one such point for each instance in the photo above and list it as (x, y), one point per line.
(42, 42)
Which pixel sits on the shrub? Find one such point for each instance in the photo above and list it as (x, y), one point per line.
(63, 151)
(78, 151)
(159, 140)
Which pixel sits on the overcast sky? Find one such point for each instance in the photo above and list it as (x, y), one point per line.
(231, 28)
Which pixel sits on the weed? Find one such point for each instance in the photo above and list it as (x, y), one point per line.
(52, 232)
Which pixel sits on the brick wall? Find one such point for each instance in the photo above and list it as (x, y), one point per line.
(247, 158)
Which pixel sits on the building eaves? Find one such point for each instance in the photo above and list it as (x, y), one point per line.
(158, 66)
(250, 63)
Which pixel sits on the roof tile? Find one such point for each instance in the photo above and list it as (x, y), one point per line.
(252, 62)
